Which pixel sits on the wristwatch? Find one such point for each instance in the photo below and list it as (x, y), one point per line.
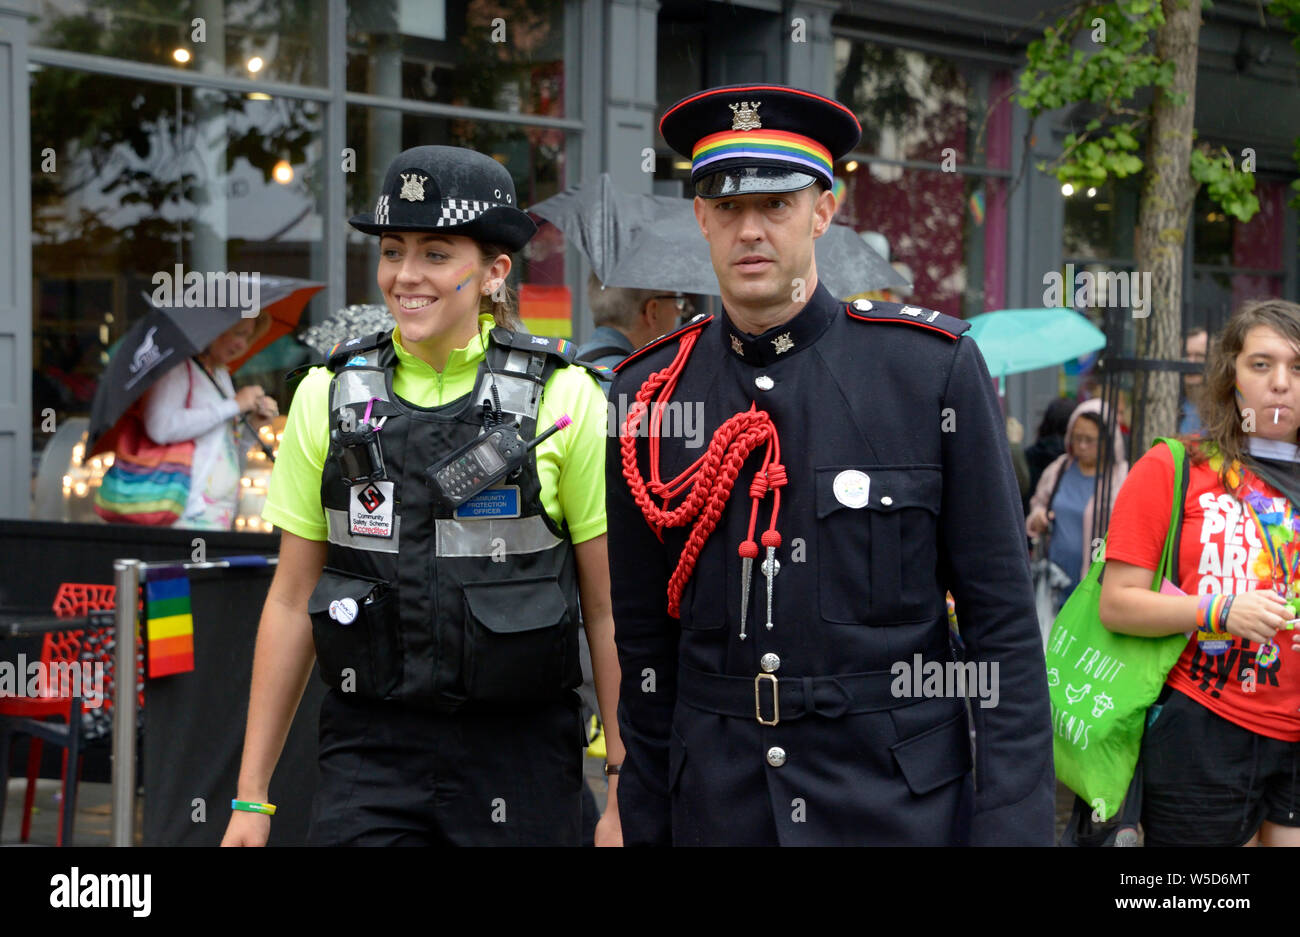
(612, 769)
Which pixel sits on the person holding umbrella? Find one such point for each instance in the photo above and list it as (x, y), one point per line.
(172, 421)
(197, 400)
(440, 495)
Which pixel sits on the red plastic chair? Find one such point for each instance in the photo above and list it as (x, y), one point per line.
(31, 715)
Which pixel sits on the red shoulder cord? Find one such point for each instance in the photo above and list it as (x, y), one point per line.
(710, 478)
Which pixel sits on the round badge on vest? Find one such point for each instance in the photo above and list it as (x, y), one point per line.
(852, 488)
(344, 610)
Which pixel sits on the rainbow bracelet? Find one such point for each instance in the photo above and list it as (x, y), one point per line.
(252, 806)
(1203, 613)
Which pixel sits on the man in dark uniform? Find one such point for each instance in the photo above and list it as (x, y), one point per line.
(779, 594)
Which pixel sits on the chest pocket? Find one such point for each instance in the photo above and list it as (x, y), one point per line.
(876, 562)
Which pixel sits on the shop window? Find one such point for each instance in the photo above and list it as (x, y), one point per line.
(504, 55)
(943, 226)
(916, 105)
(130, 179)
(272, 40)
(1235, 261)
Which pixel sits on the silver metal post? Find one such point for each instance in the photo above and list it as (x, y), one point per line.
(126, 576)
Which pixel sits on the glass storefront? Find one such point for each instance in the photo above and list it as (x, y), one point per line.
(131, 178)
(133, 174)
(931, 173)
(487, 54)
(267, 40)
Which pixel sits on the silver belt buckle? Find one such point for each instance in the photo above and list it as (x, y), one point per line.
(776, 700)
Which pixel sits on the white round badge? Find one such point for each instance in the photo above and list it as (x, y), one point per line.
(852, 488)
(344, 610)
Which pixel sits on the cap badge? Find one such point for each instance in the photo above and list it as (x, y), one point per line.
(782, 343)
(413, 186)
(737, 347)
(746, 116)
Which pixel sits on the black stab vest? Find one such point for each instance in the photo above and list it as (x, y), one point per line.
(473, 608)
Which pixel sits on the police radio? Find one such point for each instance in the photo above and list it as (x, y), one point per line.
(482, 463)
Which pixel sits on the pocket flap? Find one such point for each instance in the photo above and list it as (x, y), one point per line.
(336, 584)
(936, 756)
(514, 606)
(887, 489)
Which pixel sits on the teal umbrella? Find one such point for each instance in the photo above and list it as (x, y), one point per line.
(1016, 340)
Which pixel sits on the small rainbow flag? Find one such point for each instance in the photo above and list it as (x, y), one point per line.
(977, 206)
(169, 626)
(546, 310)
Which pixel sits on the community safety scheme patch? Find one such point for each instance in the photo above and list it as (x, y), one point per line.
(370, 509)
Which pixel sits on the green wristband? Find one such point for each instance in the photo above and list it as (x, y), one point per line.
(252, 806)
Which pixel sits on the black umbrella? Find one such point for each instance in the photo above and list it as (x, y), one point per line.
(162, 339)
(654, 242)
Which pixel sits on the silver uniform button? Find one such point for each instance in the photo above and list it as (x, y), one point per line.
(886, 500)
(764, 382)
(776, 756)
(862, 305)
(770, 663)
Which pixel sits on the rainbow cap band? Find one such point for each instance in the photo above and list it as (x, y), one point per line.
(796, 150)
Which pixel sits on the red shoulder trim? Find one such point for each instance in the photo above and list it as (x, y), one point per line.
(663, 339)
(920, 325)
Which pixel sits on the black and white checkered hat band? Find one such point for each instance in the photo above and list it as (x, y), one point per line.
(453, 211)
(460, 210)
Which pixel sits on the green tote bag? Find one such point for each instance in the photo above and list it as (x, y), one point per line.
(1101, 683)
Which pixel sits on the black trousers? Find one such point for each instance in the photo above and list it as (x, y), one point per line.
(395, 776)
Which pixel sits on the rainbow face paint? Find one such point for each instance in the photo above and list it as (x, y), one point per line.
(468, 270)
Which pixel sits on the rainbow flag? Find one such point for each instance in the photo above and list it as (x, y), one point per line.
(169, 626)
(546, 310)
(977, 206)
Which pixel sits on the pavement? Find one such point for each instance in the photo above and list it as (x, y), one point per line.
(90, 827)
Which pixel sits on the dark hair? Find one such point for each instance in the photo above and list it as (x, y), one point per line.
(1221, 418)
(1056, 417)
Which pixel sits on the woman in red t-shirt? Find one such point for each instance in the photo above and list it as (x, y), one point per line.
(1219, 754)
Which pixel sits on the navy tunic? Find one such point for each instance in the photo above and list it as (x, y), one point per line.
(895, 394)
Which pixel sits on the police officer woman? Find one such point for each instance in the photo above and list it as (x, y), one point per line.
(436, 555)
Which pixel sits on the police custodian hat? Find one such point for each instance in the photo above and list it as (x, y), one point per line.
(450, 190)
(759, 138)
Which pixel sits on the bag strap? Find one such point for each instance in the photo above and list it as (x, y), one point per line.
(219, 388)
(1168, 568)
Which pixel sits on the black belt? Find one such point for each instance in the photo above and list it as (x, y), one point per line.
(788, 697)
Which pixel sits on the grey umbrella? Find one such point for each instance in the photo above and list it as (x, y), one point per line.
(600, 219)
(654, 242)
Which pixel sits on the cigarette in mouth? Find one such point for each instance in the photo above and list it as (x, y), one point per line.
(1276, 411)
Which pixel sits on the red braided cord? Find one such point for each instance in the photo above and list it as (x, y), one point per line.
(710, 477)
